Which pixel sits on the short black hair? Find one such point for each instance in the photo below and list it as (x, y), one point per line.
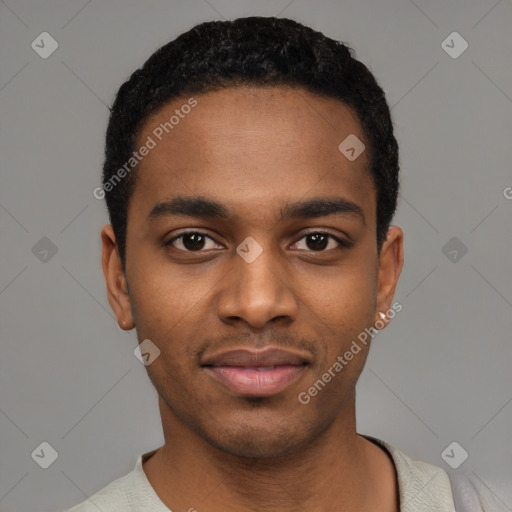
(258, 51)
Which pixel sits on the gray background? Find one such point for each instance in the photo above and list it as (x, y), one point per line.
(440, 372)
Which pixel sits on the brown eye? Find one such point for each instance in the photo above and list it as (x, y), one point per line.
(317, 241)
(322, 242)
(192, 241)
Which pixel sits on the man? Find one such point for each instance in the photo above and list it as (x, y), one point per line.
(251, 176)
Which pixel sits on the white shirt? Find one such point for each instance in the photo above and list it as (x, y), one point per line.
(422, 488)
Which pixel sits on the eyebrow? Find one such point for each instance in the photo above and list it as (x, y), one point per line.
(197, 206)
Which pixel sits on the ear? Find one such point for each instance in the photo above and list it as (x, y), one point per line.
(391, 261)
(117, 286)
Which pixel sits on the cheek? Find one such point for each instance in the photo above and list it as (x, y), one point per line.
(163, 298)
(344, 297)
(342, 306)
(170, 311)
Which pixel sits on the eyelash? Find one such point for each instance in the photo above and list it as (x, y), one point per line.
(342, 243)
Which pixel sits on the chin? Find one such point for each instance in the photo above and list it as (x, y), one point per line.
(254, 446)
(265, 440)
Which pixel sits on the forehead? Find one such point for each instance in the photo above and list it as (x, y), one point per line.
(252, 145)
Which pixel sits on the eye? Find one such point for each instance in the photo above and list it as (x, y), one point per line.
(320, 242)
(197, 241)
(192, 241)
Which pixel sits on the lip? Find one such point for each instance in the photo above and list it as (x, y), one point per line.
(249, 372)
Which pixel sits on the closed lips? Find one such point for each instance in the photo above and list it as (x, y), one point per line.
(263, 359)
(246, 372)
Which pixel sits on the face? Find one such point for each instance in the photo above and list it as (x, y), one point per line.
(251, 263)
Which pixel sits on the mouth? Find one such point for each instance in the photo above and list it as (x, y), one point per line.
(247, 372)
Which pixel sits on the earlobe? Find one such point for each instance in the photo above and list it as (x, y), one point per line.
(115, 279)
(381, 322)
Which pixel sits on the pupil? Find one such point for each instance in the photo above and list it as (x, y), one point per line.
(196, 241)
(319, 241)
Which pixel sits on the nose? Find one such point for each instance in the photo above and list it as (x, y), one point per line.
(257, 292)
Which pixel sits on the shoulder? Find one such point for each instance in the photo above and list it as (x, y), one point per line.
(472, 494)
(129, 493)
(113, 497)
(421, 486)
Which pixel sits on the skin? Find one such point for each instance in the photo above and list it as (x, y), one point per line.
(255, 149)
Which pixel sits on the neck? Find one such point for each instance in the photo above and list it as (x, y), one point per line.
(338, 469)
